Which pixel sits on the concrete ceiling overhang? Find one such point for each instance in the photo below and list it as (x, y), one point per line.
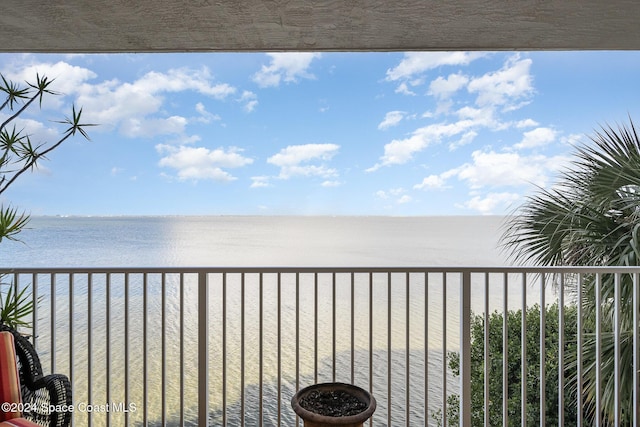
(306, 25)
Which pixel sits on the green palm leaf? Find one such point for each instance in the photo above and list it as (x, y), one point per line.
(591, 217)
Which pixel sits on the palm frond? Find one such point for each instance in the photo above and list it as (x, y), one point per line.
(591, 217)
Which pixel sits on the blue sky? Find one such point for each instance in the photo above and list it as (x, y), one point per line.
(447, 133)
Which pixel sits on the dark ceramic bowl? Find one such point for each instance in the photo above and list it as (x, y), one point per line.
(314, 419)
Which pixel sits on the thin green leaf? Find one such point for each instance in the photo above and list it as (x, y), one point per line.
(12, 223)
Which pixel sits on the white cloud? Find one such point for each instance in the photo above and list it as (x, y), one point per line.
(526, 123)
(135, 127)
(201, 109)
(392, 118)
(305, 160)
(505, 89)
(250, 100)
(507, 169)
(415, 63)
(400, 151)
(200, 163)
(183, 139)
(403, 88)
(128, 106)
(432, 182)
(484, 116)
(37, 131)
(250, 106)
(502, 87)
(394, 192)
(182, 79)
(285, 66)
(444, 88)
(260, 182)
(205, 116)
(488, 204)
(66, 79)
(489, 173)
(572, 139)
(536, 138)
(398, 195)
(466, 139)
(330, 183)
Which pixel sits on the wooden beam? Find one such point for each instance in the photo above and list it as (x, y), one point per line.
(306, 25)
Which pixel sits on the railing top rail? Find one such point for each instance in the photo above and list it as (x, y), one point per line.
(322, 269)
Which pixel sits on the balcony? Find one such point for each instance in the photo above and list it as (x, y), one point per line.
(230, 346)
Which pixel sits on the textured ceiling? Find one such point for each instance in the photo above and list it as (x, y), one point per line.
(302, 25)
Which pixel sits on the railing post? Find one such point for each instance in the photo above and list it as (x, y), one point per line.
(636, 348)
(465, 350)
(203, 350)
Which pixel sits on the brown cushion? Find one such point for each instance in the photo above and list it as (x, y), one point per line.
(19, 422)
(9, 379)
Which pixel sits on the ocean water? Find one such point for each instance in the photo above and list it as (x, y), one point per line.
(257, 242)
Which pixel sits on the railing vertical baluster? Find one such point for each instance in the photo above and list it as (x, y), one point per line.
(426, 348)
(616, 348)
(353, 323)
(389, 352)
(224, 349)
(636, 349)
(579, 345)
(126, 345)
(561, 352)
(89, 344)
(333, 326)
(261, 349)
(34, 314)
(16, 286)
(279, 329)
(315, 327)
(444, 349)
(505, 350)
(487, 362)
(71, 333)
(182, 400)
(523, 354)
(371, 336)
(163, 351)
(242, 346)
(297, 331)
(465, 350)
(543, 350)
(407, 362)
(598, 291)
(53, 322)
(203, 349)
(145, 349)
(108, 341)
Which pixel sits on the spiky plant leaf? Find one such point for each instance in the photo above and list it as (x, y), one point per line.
(16, 307)
(11, 222)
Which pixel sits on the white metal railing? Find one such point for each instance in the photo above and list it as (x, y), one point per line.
(230, 346)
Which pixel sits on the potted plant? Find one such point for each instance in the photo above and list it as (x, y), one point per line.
(333, 404)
